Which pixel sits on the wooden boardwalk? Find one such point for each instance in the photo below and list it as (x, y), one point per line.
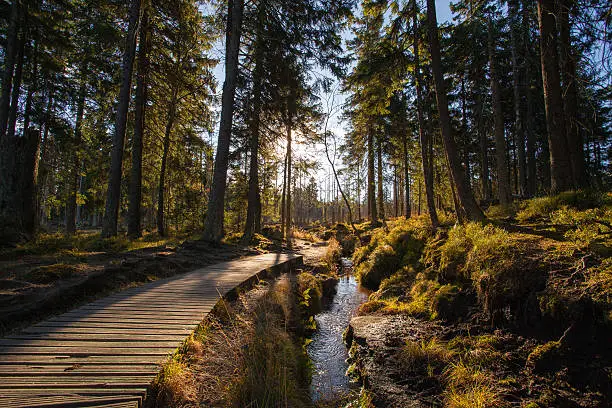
(106, 353)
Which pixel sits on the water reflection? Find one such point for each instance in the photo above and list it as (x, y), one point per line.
(327, 350)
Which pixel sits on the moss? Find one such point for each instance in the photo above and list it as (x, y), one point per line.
(52, 273)
(450, 303)
(310, 291)
(540, 208)
(381, 263)
(545, 358)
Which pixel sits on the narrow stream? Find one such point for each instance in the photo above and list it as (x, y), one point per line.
(327, 350)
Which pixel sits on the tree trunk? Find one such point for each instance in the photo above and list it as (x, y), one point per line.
(161, 227)
(380, 185)
(530, 134)
(71, 204)
(407, 206)
(10, 52)
(18, 169)
(371, 181)
(16, 92)
(31, 90)
(423, 136)
(575, 143)
(288, 192)
(135, 187)
(284, 198)
(518, 88)
(467, 203)
(213, 227)
(560, 166)
(113, 195)
(253, 195)
(503, 179)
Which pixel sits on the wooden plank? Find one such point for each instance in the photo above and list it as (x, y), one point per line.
(71, 344)
(71, 401)
(86, 351)
(71, 360)
(8, 370)
(93, 335)
(106, 353)
(77, 382)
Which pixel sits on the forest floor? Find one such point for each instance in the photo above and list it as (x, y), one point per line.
(516, 312)
(56, 273)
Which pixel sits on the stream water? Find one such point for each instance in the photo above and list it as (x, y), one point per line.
(327, 350)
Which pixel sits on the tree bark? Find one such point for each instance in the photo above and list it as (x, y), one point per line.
(213, 227)
(10, 53)
(32, 88)
(288, 192)
(161, 226)
(503, 179)
(18, 169)
(575, 142)
(16, 91)
(371, 181)
(71, 203)
(423, 136)
(113, 195)
(253, 195)
(407, 206)
(284, 197)
(530, 134)
(135, 186)
(380, 185)
(468, 205)
(518, 88)
(561, 177)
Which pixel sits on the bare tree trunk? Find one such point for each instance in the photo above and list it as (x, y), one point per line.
(113, 195)
(423, 136)
(358, 190)
(560, 165)
(407, 206)
(371, 180)
(10, 52)
(18, 169)
(135, 186)
(503, 179)
(467, 203)
(284, 198)
(71, 204)
(16, 92)
(213, 227)
(288, 193)
(518, 87)
(530, 134)
(381, 197)
(161, 227)
(575, 143)
(253, 195)
(31, 90)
